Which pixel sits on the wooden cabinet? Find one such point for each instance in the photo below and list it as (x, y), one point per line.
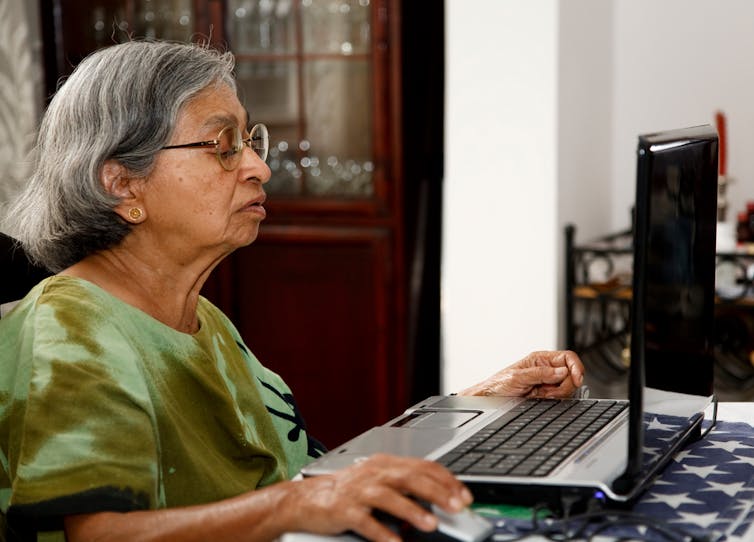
(319, 296)
(323, 297)
(318, 304)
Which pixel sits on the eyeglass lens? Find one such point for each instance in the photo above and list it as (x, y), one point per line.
(260, 140)
(231, 142)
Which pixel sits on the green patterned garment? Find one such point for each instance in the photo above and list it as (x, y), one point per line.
(103, 407)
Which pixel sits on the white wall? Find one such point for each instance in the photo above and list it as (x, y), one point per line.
(500, 185)
(585, 116)
(676, 62)
(545, 100)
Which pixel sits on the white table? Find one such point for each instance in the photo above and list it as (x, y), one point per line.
(736, 412)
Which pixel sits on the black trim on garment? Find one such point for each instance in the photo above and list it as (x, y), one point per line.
(23, 521)
(314, 447)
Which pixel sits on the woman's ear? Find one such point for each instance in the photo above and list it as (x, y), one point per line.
(116, 182)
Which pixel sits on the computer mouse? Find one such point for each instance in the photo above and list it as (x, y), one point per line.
(463, 526)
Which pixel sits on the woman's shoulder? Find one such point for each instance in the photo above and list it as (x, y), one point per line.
(65, 295)
(64, 287)
(67, 309)
(66, 325)
(51, 288)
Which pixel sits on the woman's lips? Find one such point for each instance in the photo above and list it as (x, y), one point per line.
(256, 207)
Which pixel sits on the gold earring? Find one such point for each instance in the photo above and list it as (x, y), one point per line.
(135, 213)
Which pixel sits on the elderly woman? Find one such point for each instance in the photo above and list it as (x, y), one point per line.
(130, 407)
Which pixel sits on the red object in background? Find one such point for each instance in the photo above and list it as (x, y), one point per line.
(743, 234)
(720, 122)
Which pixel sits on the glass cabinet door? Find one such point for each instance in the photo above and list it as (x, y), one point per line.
(75, 28)
(305, 70)
(116, 21)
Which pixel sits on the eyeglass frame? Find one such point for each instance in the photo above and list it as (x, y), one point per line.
(216, 143)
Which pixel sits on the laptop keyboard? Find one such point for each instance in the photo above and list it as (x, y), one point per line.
(532, 438)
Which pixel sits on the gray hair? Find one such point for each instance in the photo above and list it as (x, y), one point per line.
(121, 103)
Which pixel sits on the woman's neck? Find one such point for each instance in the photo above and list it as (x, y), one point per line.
(167, 291)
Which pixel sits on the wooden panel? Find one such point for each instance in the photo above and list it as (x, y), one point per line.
(313, 305)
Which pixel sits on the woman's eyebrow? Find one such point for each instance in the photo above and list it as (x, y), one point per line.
(220, 121)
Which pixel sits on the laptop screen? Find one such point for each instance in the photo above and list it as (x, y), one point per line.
(673, 277)
(676, 213)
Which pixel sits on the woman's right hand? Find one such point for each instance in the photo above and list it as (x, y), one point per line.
(346, 500)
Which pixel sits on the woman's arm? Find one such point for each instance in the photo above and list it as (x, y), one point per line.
(325, 505)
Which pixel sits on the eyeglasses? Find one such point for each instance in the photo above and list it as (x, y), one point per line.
(229, 145)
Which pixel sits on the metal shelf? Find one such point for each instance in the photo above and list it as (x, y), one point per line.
(598, 305)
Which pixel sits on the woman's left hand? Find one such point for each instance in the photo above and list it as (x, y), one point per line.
(540, 374)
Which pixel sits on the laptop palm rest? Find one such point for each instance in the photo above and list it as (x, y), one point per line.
(415, 434)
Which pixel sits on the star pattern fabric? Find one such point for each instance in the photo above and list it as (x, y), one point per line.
(707, 491)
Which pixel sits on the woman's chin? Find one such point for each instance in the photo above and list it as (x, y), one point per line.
(249, 237)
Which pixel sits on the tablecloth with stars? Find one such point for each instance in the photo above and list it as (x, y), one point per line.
(707, 491)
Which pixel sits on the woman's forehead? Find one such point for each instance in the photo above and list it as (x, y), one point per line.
(215, 107)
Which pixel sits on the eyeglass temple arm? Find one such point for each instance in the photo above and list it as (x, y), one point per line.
(186, 145)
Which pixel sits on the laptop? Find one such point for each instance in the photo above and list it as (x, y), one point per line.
(595, 451)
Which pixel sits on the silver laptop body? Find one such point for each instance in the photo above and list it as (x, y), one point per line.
(593, 471)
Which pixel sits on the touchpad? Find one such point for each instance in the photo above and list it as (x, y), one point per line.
(437, 419)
